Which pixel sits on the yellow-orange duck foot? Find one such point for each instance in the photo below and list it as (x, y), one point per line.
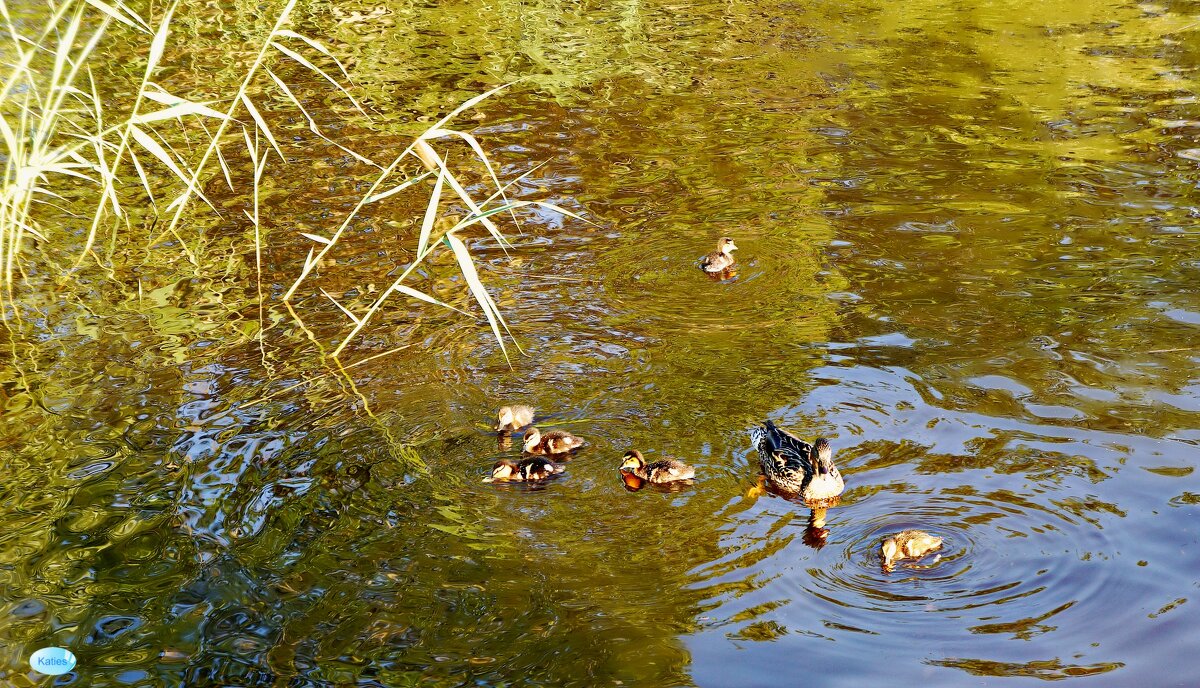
(759, 489)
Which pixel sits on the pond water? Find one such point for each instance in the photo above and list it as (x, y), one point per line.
(968, 255)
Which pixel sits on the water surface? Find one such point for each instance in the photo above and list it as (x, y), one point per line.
(967, 255)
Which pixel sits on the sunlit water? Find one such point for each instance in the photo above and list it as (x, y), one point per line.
(968, 255)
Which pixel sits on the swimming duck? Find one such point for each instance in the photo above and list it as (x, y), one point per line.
(720, 259)
(510, 418)
(551, 442)
(796, 467)
(659, 472)
(528, 469)
(907, 544)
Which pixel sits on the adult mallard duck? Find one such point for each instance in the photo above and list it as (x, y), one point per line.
(720, 259)
(510, 418)
(550, 442)
(527, 469)
(797, 468)
(907, 544)
(658, 472)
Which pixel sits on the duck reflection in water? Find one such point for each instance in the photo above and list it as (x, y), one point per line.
(632, 483)
(815, 533)
(721, 275)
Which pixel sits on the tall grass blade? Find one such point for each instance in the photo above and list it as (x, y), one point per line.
(166, 159)
(262, 124)
(177, 111)
(341, 229)
(317, 238)
(66, 170)
(123, 17)
(221, 157)
(160, 39)
(467, 267)
(409, 291)
(145, 178)
(108, 188)
(397, 189)
(46, 192)
(316, 46)
(316, 70)
(251, 72)
(474, 144)
(431, 211)
(431, 159)
(312, 123)
(341, 307)
(470, 103)
(152, 91)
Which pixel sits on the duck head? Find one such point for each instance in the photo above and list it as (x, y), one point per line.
(822, 456)
(891, 549)
(504, 417)
(533, 437)
(504, 469)
(632, 461)
(726, 245)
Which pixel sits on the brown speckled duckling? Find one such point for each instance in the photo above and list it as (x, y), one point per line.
(907, 544)
(550, 442)
(720, 259)
(658, 472)
(510, 418)
(529, 469)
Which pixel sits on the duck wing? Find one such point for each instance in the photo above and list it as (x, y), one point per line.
(560, 442)
(538, 468)
(789, 453)
(669, 470)
(716, 262)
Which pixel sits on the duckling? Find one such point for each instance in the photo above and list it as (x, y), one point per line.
(552, 442)
(797, 468)
(529, 469)
(720, 259)
(659, 472)
(907, 544)
(510, 418)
